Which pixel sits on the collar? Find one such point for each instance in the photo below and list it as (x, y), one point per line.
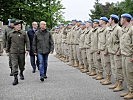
(102, 29)
(14, 31)
(126, 29)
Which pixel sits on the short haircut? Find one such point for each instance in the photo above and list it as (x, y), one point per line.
(115, 20)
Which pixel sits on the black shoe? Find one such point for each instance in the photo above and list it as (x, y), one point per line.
(45, 77)
(21, 76)
(15, 82)
(33, 71)
(42, 79)
(11, 74)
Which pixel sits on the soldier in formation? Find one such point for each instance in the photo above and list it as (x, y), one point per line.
(101, 49)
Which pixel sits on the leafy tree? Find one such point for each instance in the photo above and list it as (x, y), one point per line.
(32, 10)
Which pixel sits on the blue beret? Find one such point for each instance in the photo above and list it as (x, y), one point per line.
(89, 21)
(74, 20)
(96, 20)
(104, 19)
(126, 15)
(114, 16)
(80, 21)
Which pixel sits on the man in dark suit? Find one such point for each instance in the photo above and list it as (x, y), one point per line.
(32, 56)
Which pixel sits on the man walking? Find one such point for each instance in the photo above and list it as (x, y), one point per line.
(42, 45)
(32, 55)
(17, 40)
(5, 35)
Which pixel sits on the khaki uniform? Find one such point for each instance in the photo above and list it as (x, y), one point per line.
(55, 35)
(64, 46)
(126, 46)
(84, 49)
(67, 43)
(76, 34)
(70, 43)
(102, 47)
(78, 47)
(94, 50)
(83, 57)
(87, 45)
(113, 48)
(59, 42)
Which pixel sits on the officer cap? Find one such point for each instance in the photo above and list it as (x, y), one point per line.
(126, 15)
(12, 20)
(96, 20)
(114, 16)
(17, 22)
(104, 19)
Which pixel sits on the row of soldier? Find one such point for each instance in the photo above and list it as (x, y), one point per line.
(99, 46)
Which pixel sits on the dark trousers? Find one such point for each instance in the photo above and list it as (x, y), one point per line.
(34, 61)
(43, 63)
(18, 61)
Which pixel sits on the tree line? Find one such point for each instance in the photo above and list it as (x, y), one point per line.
(125, 6)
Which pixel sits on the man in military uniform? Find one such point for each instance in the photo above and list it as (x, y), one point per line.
(102, 47)
(55, 35)
(5, 35)
(60, 49)
(126, 46)
(1, 42)
(94, 48)
(76, 33)
(85, 46)
(67, 51)
(114, 51)
(70, 43)
(17, 40)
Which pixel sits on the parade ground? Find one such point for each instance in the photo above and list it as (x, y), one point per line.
(63, 83)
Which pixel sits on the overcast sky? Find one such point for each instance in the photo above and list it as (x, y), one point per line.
(80, 9)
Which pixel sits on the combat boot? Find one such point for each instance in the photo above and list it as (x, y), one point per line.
(75, 63)
(15, 82)
(88, 73)
(85, 70)
(67, 59)
(107, 81)
(81, 67)
(119, 87)
(114, 86)
(124, 94)
(93, 72)
(99, 76)
(129, 96)
(21, 75)
(72, 63)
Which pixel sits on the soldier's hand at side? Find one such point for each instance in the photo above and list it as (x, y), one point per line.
(118, 53)
(131, 60)
(98, 52)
